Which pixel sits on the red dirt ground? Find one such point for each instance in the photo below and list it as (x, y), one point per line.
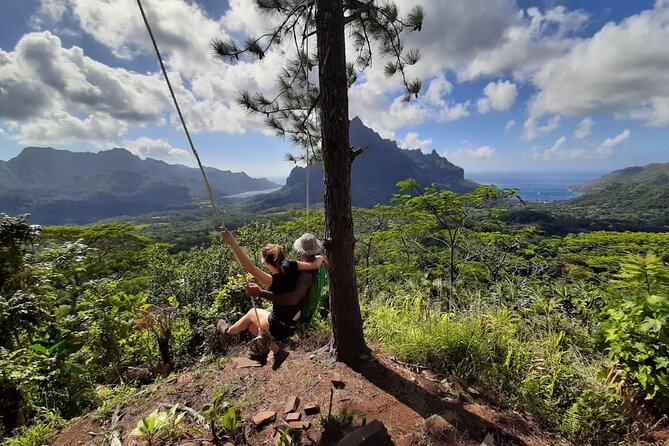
(378, 387)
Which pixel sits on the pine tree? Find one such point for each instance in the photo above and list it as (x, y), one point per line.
(315, 117)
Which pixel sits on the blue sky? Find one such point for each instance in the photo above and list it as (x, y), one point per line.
(508, 85)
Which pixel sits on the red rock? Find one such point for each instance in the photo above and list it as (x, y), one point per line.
(489, 440)
(311, 409)
(263, 417)
(373, 433)
(336, 381)
(299, 425)
(291, 404)
(293, 416)
(439, 428)
(246, 362)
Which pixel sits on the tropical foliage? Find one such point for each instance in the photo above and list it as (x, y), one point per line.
(573, 329)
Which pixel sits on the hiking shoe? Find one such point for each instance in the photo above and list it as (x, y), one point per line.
(279, 358)
(259, 357)
(261, 344)
(223, 339)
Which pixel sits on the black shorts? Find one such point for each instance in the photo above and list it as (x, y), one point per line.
(279, 329)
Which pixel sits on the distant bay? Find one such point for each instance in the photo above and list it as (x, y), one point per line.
(252, 193)
(537, 185)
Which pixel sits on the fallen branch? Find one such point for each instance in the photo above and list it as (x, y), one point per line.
(408, 365)
(115, 435)
(190, 411)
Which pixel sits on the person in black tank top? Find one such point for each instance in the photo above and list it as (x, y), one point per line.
(288, 283)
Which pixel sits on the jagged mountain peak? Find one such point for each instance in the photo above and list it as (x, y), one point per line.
(375, 173)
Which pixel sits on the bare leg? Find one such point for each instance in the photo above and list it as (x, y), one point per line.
(250, 322)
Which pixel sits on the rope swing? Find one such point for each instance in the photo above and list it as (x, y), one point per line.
(217, 211)
(262, 337)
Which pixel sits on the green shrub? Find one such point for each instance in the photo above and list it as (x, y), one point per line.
(636, 326)
(111, 397)
(38, 432)
(159, 424)
(597, 417)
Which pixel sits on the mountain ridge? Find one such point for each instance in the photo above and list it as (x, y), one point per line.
(60, 186)
(650, 174)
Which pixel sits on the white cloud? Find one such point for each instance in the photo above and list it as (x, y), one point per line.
(556, 152)
(655, 112)
(623, 68)
(509, 125)
(439, 87)
(532, 130)
(243, 17)
(499, 95)
(453, 112)
(468, 152)
(181, 28)
(464, 35)
(209, 86)
(526, 43)
(455, 31)
(584, 128)
(61, 128)
(49, 11)
(41, 77)
(474, 38)
(555, 148)
(378, 111)
(154, 148)
(412, 141)
(608, 146)
(467, 36)
(483, 152)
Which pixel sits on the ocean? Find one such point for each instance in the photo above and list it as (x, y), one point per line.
(536, 185)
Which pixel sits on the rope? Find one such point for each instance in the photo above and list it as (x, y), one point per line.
(307, 169)
(217, 211)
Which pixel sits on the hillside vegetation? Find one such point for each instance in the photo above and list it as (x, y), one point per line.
(635, 199)
(572, 329)
(656, 174)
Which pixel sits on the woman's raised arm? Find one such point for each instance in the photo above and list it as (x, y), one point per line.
(261, 276)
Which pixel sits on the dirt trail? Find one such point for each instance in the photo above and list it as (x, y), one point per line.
(379, 388)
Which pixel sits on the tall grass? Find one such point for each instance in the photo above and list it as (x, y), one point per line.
(529, 359)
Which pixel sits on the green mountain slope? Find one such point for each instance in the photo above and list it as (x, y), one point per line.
(7, 178)
(634, 199)
(58, 186)
(651, 175)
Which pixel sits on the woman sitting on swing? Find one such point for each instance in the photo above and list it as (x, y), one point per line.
(286, 290)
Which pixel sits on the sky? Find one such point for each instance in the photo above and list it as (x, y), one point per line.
(508, 85)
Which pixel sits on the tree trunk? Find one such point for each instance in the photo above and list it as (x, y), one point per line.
(348, 338)
(166, 365)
